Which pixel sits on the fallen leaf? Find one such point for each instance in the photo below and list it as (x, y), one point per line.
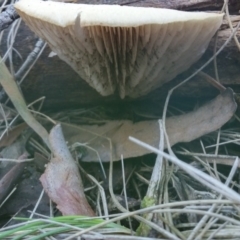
(11, 177)
(12, 151)
(61, 179)
(26, 196)
(12, 135)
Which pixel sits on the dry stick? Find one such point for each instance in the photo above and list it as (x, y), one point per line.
(212, 81)
(212, 235)
(210, 158)
(205, 219)
(209, 168)
(37, 204)
(231, 26)
(215, 59)
(165, 195)
(125, 192)
(113, 237)
(217, 85)
(157, 170)
(151, 197)
(200, 176)
(31, 58)
(168, 207)
(12, 90)
(3, 4)
(102, 194)
(100, 190)
(212, 220)
(215, 46)
(2, 112)
(124, 210)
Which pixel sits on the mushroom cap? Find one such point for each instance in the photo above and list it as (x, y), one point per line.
(132, 50)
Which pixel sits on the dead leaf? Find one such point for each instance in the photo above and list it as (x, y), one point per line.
(26, 196)
(12, 135)
(184, 128)
(12, 151)
(61, 179)
(11, 177)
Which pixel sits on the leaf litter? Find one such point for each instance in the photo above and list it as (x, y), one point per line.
(108, 141)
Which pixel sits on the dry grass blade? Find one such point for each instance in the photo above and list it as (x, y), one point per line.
(195, 173)
(12, 90)
(152, 195)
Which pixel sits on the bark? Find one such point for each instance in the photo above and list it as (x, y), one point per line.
(63, 88)
(234, 5)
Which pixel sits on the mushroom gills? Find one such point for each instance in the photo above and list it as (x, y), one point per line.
(129, 50)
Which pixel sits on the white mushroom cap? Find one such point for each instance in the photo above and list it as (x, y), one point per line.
(132, 50)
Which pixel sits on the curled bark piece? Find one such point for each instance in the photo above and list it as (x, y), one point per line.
(183, 128)
(62, 180)
(204, 120)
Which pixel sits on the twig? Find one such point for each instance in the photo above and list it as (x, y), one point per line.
(195, 173)
(37, 204)
(31, 59)
(212, 81)
(125, 192)
(152, 197)
(212, 220)
(166, 207)
(101, 191)
(215, 46)
(124, 210)
(231, 26)
(205, 219)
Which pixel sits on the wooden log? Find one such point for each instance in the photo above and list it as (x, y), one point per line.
(63, 88)
(203, 5)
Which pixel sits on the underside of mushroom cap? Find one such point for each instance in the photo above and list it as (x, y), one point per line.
(132, 50)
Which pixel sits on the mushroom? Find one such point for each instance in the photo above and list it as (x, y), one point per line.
(131, 50)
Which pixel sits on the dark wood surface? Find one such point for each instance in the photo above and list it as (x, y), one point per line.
(63, 88)
(234, 5)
